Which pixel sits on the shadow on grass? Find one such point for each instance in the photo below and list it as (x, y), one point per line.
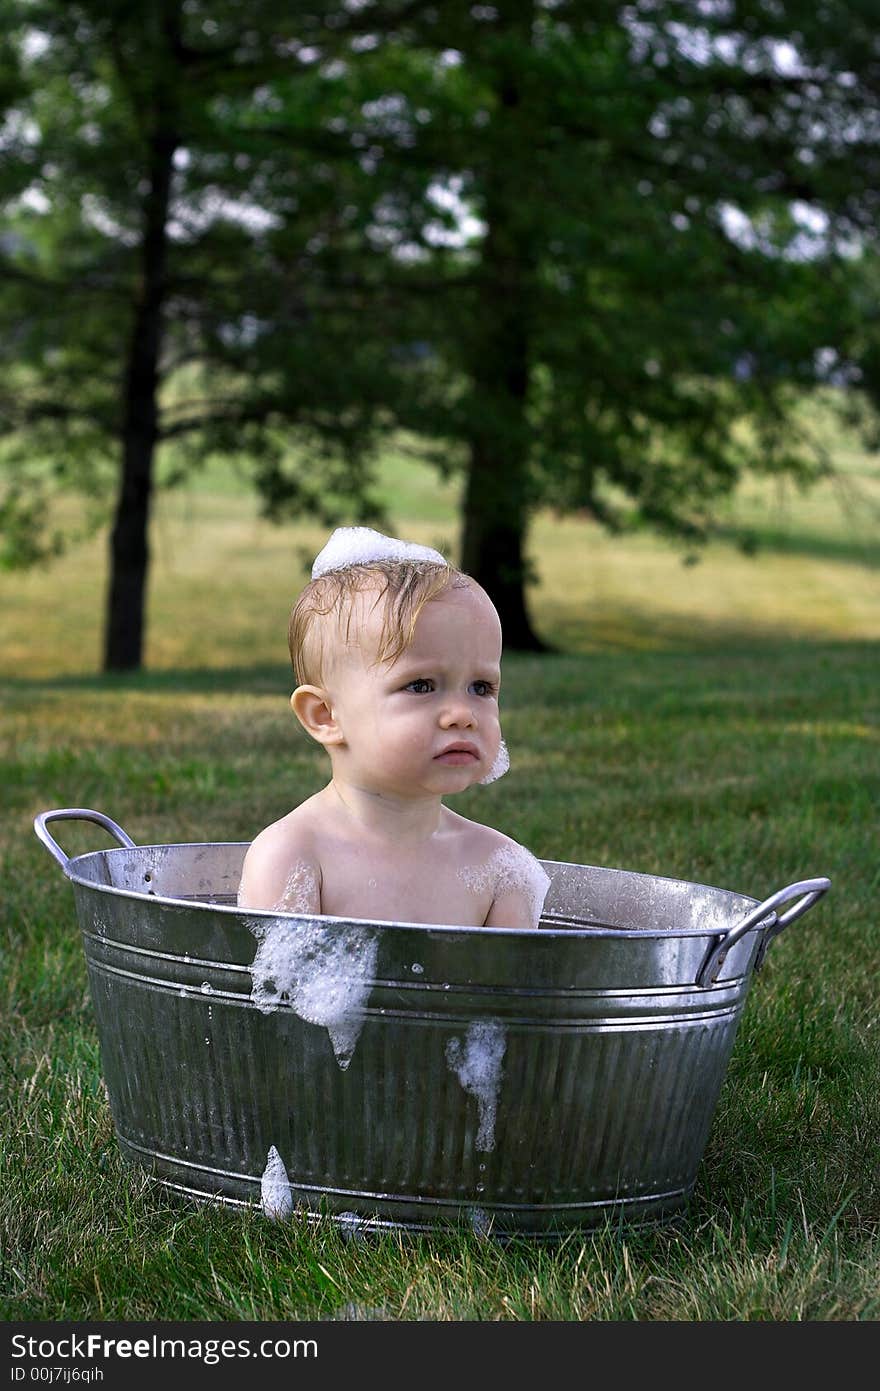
(781, 540)
(621, 637)
(259, 679)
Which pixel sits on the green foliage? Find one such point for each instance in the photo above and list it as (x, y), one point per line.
(610, 326)
(248, 241)
(257, 332)
(24, 541)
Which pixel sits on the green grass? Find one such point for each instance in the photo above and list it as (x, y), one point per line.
(715, 723)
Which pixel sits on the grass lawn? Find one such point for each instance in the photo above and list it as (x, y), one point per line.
(715, 723)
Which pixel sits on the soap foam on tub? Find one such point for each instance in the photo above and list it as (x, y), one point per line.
(276, 1198)
(322, 971)
(477, 1061)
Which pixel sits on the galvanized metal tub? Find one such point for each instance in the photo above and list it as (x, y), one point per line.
(413, 1076)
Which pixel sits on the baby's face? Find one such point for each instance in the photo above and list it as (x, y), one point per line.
(428, 722)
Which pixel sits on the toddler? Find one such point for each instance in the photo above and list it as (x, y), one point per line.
(397, 659)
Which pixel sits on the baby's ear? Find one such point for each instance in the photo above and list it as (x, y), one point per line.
(312, 708)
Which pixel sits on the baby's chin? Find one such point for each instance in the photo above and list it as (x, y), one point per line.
(458, 778)
(454, 778)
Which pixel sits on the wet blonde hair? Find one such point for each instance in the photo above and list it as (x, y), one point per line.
(404, 586)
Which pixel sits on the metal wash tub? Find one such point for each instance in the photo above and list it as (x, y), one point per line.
(412, 1076)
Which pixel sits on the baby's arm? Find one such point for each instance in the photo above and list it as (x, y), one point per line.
(280, 873)
(521, 885)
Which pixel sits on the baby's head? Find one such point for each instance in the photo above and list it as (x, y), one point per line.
(371, 607)
(357, 622)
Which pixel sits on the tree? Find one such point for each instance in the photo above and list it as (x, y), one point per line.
(180, 208)
(644, 179)
(262, 222)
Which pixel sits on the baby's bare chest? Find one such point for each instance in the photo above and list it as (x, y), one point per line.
(404, 888)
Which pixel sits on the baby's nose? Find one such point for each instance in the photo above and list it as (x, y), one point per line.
(457, 713)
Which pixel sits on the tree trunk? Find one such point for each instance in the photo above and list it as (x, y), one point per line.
(492, 547)
(496, 502)
(495, 510)
(129, 541)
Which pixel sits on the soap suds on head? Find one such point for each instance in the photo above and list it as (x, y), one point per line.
(276, 1198)
(323, 971)
(477, 1061)
(361, 545)
(509, 869)
(499, 767)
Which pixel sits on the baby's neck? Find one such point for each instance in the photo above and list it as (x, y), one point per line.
(402, 820)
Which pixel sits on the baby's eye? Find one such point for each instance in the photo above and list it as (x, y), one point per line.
(421, 686)
(483, 688)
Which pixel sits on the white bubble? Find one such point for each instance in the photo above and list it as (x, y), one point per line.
(499, 767)
(477, 1061)
(276, 1198)
(322, 971)
(510, 869)
(481, 1222)
(301, 892)
(361, 545)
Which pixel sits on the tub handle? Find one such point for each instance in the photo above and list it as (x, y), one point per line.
(76, 814)
(806, 891)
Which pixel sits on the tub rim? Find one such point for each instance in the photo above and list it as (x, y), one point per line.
(272, 915)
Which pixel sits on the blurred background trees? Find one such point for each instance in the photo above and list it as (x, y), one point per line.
(589, 256)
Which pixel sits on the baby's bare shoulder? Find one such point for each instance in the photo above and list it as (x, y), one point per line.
(514, 876)
(281, 866)
(300, 825)
(479, 843)
(293, 834)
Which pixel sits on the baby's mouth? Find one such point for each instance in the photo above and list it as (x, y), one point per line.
(458, 755)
